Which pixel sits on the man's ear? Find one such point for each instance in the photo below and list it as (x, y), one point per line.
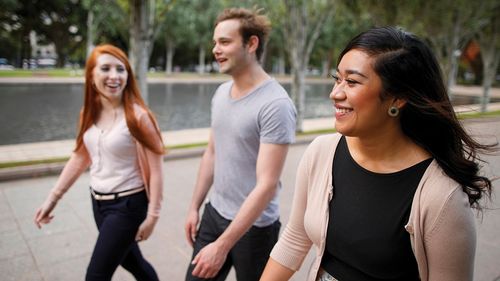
(253, 43)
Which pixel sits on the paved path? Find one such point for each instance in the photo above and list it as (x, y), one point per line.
(61, 250)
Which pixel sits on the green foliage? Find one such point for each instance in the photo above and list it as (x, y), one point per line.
(188, 24)
(110, 23)
(348, 21)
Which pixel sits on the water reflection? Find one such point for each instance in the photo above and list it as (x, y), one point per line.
(45, 112)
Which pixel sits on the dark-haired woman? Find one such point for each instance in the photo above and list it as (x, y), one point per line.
(120, 141)
(389, 196)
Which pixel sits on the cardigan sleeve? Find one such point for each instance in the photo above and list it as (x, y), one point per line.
(294, 243)
(450, 241)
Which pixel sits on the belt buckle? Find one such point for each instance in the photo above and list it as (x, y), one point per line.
(325, 276)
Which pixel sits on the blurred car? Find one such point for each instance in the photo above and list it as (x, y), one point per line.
(4, 64)
(46, 62)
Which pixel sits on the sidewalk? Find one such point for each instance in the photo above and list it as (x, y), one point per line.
(63, 149)
(61, 250)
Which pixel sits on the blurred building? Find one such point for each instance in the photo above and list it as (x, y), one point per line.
(42, 56)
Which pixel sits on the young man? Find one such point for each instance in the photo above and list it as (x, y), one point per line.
(253, 121)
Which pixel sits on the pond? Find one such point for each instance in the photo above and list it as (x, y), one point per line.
(44, 112)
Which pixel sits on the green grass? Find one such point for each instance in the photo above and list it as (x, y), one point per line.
(317, 132)
(33, 162)
(64, 159)
(470, 115)
(185, 146)
(56, 72)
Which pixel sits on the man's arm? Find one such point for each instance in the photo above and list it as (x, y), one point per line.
(270, 161)
(203, 183)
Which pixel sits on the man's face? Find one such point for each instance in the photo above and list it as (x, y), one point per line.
(228, 50)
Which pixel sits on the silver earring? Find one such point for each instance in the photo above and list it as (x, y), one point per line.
(393, 111)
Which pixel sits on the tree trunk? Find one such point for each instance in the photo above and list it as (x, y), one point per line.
(329, 62)
(201, 59)
(141, 32)
(296, 36)
(325, 68)
(263, 57)
(61, 54)
(299, 96)
(90, 32)
(281, 64)
(490, 53)
(169, 56)
(301, 37)
(454, 53)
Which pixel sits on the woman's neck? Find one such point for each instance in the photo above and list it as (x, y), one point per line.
(386, 152)
(111, 105)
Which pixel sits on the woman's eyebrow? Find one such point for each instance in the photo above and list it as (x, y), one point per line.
(352, 71)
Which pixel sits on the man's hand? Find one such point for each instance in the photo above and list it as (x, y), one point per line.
(209, 260)
(191, 225)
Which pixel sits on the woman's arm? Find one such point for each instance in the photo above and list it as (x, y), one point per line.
(76, 165)
(451, 242)
(155, 185)
(294, 243)
(274, 271)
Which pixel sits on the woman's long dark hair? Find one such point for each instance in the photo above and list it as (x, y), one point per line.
(409, 71)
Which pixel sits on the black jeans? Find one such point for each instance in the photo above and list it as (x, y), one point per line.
(118, 221)
(248, 256)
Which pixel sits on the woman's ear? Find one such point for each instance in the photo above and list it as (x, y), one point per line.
(399, 103)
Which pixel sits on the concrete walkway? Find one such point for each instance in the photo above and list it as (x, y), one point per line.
(63, 148)
(61, 250)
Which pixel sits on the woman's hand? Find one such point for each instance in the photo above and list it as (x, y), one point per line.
(42, 215)
(146, 228)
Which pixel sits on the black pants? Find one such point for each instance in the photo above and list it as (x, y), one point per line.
(118, 221)
(248, 256)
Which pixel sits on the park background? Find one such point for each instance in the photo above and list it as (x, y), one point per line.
(47, 41)
(171, 36)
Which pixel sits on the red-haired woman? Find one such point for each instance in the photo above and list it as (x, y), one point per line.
(120, 141)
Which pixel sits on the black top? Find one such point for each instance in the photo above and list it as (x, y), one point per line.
(366, 238)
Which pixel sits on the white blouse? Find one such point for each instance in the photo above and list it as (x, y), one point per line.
(113, 153)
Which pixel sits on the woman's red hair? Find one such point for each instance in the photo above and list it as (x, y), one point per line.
(131, 96)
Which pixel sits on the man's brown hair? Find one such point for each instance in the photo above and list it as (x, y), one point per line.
(252, 22)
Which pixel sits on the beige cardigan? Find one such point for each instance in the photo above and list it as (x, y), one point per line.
(150, 163)
(441, 224)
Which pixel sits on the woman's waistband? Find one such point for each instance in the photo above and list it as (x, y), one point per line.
(113, 196)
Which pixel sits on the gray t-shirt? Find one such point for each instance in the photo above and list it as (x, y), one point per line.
(265, 115)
